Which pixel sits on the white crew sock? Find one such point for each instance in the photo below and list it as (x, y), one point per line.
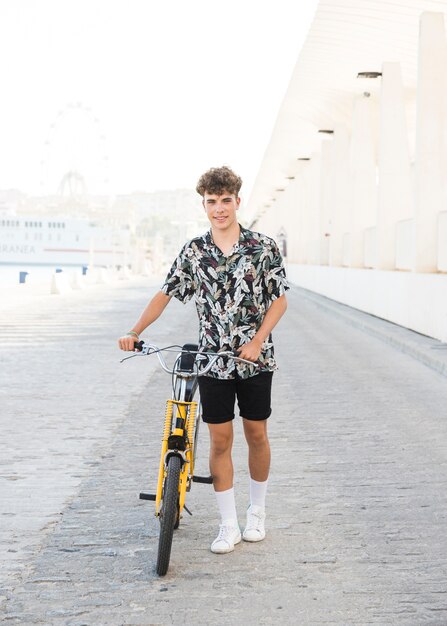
(258, 491)
(227, 506)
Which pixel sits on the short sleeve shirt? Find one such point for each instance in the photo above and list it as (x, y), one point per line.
(232, 295)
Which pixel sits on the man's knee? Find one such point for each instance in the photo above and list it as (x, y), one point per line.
(256, 433)
(221, 445)
(221, 441)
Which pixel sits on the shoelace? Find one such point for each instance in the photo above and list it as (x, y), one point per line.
(224, 530)
(255, 518)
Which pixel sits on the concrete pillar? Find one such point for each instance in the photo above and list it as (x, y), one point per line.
(341, 196)
(326, 199)
(395, 200)
(363, 177)
(290, 220)
(295, 229)
(284, 216)
(303, 184)
(430, 143)
(313, 213)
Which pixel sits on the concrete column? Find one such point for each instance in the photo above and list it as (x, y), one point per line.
(313, 242)
(285, 216)
(396, 200)
(302, 183)
(430, 143)
(295, 248)
(290, 220)
(363, 177)
(326, 199)
(341, 196)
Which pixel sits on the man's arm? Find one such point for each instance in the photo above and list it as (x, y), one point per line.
(152, 312)
(253, 348)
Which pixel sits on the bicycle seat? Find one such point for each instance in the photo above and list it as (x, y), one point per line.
(187, 360)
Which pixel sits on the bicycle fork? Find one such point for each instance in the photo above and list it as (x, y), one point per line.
(177, 440)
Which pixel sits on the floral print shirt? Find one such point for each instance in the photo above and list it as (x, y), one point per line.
(232, 294)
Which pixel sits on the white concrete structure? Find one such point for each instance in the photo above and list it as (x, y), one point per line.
(355, 174)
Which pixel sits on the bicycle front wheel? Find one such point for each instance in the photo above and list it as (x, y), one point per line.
(168, 513)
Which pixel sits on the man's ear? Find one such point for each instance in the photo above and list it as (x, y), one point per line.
(203, 204)
(238, 200)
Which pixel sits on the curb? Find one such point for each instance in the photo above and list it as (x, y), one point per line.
(427, 350)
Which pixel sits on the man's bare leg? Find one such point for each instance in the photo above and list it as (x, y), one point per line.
(221, 464)
(258, 449)
(221, 467)
(259, 465)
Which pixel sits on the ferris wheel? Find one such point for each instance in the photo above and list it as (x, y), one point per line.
(73, 186)
(75, 153)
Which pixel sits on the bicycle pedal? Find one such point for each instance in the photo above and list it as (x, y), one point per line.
(203, 479)
(147, 496)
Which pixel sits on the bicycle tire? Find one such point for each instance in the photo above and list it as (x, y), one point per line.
(177, 518)
(168, 514)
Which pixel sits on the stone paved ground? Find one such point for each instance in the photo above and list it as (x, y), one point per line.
(60, 403)
(357, 507)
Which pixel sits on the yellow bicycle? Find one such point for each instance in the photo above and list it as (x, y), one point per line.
(178, 449)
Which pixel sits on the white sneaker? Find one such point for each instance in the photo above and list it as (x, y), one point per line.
(254, 530)
(227, 538)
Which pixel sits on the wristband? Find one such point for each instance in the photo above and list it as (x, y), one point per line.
(132, 332)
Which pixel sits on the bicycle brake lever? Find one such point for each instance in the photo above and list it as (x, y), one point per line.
(130, 357)
(142, 349)
(145, 350)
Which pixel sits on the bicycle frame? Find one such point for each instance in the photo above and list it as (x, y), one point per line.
(181, 419)
(180, 422)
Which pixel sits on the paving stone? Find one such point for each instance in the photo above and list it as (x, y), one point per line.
(356, 506)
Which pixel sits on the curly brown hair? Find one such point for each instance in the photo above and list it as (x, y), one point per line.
(219, 180)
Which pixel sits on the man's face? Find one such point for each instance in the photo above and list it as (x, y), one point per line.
(221, 210)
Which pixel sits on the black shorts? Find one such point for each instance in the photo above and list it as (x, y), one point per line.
(253, 397)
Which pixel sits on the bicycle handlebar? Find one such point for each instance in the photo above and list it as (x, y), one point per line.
(145, 349)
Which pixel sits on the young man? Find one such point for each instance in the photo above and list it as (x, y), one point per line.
(238, 280)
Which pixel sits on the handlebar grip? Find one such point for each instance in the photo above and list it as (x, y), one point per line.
(138, 345)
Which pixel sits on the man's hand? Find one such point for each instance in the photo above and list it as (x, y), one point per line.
(251, 350)
(152, 312)
(127, 343)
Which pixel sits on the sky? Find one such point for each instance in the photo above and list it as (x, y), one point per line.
(139, 95)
